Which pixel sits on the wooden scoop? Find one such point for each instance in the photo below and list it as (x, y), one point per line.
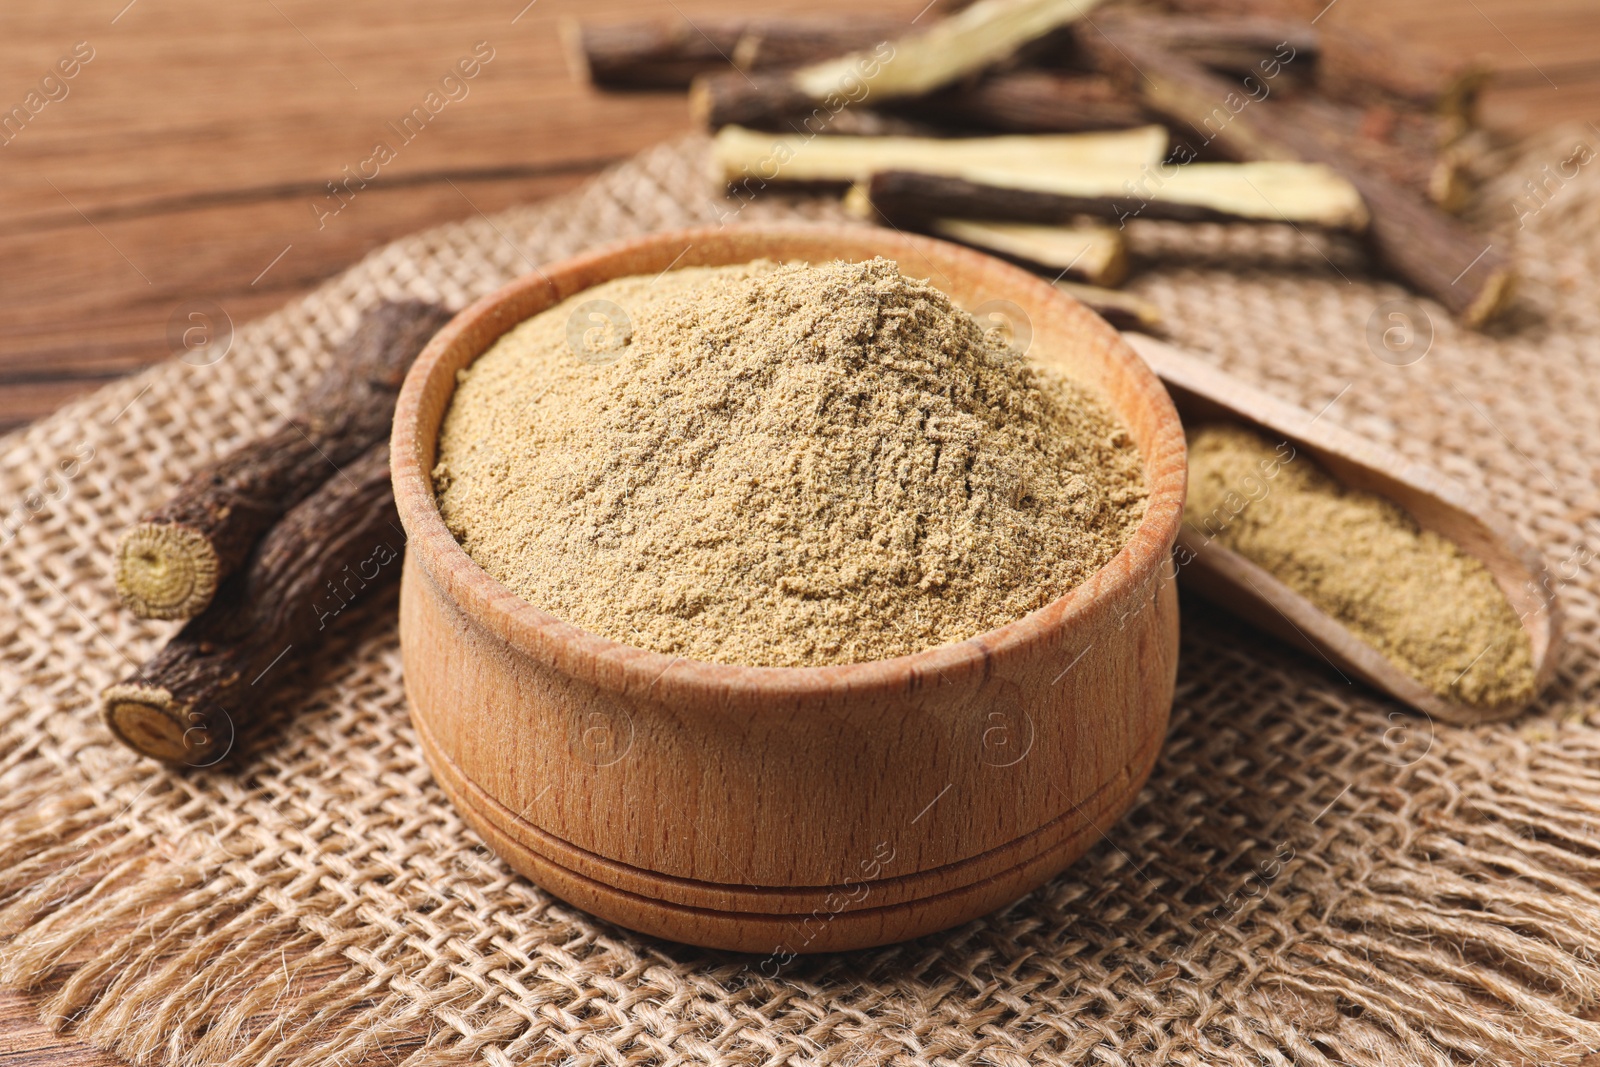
(1202, 393)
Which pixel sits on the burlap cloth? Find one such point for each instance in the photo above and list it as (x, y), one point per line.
(1312, 876)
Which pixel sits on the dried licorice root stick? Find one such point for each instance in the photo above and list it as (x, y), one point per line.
(1434, 254)
(1356, 65)
(331, 549)
(666, 54)
(171, 563)
(1223, 42)
(912, 65)
(1027, 101)
(747, 158)
(1308, 194)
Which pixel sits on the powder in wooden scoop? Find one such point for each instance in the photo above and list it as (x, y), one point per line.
(780, 465)
(1412, 594)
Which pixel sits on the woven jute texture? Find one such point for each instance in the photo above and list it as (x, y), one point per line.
(1313, 875)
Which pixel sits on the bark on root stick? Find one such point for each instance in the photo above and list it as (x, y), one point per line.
(332, 549)
(916, 64)
(1230, 42)
(668, 54)
(1030, 102)
(1024, 101)
(1124, 310)
(1301, 193)
(1412, 149)
(1359, 66)
(171, 563)
(1410, 237)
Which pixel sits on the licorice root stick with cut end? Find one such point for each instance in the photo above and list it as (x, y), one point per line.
(1410, 237)
(332, 550)
(171, 563)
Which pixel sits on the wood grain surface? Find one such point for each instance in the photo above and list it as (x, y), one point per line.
(27, 1042)
(187, 155)
(190, 156)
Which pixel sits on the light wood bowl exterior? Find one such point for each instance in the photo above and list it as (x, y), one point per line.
(791, 810)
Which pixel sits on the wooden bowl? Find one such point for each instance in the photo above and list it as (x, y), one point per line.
(790, 810)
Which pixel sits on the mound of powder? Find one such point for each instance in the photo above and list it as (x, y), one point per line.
(1414, 595)
(780, 465)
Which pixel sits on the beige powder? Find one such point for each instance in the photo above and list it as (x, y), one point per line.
(1412, 594)
(780, 466)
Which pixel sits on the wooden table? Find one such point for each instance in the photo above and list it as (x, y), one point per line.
(190, 157)
(192, 154)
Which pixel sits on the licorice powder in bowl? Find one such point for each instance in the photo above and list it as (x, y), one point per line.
(780, 465)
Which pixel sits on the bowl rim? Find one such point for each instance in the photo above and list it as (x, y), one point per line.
(615, 666)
